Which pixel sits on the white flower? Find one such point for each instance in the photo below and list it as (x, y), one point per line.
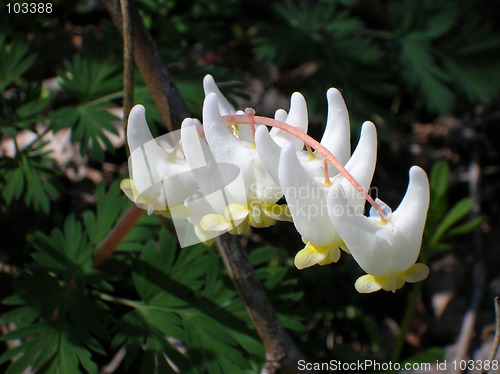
(336, 137)
(386, 249)
(160, 179)
(258, 208)
(307, 198)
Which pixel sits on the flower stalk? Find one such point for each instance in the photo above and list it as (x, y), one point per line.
(250, 119)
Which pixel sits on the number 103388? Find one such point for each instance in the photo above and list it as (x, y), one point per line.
(29, 8)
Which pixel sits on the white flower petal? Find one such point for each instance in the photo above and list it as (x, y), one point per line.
(361, 166)
(409, 218)
(280, 115)
(209, 86)
(224, 145)
(359, 233)
(137, 129)
(268, 151)
(337, 135)
(298, 118)
(305, 199)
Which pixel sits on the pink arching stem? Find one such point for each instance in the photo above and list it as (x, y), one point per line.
(247, 119)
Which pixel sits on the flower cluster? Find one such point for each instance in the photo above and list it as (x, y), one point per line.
(232, 172)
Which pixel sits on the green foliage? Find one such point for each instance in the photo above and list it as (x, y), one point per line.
(186, 314)
(89, 78)
(430, 52)
(429, 355)
(443, 222)
(169, 306)
(55, 313)
(94, 83)
(13, 60)
(27, 176)
(205, 322)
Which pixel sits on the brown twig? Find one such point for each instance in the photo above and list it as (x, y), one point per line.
(151, 66)
(115, 362)
(128, 61)
(116, 235)
(496, 341)
(281, 351)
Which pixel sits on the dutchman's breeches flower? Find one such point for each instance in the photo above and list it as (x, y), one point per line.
(229, 173)
(307, 198)
(160, 178)
(386, 248)
(261, 193)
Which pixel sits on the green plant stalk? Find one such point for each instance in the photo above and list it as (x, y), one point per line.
(413, 299)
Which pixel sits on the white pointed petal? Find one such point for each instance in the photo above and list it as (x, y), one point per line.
(305, 199)
(196, 150)
(298, 118)
(145, 154)
(209, 86)
(409, 219)
(137, 129)
(268, 151)
(280, 115)
(337, 133)
(223, 144)
(360, 234)
(361, 166)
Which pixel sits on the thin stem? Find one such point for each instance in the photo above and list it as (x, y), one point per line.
(153, 69)
(327, 182)
(128, 61)
(281, 351)
(118, 300)
(496, 341)
(323, 151)
(116, 235)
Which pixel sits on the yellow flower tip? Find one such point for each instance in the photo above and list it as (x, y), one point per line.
(415, 273)
(258, 216)
(214, 222)
(393, 281)
(277, 212)
(313, 254)
(367, 284)
(343, 246)
(236, 212)
(204, 236)
(128, 188)
(327, 183)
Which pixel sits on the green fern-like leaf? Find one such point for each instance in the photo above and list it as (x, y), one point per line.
(182, 300)
(13, 61)
(423, 74)
(28, 176)
(90, 125)
(89, 79)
